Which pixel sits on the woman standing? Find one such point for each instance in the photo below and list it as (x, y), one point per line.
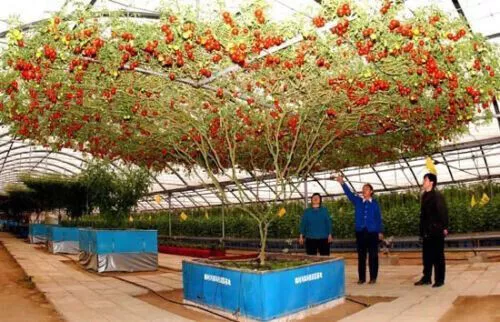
(316, 228)
(368, 229)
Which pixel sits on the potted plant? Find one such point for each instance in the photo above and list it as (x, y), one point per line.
(114, 192)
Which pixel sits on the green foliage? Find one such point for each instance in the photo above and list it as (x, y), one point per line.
(400, 213)
(18, 199)
(271, 264)
(114, 192)
(57, 192)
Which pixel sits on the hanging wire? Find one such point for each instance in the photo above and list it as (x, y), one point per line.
(293, 9)
(130, 6)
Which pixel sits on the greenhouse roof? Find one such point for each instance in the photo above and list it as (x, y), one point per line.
(473, 157)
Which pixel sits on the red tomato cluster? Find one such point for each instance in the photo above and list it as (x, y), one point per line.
(379, 85)
(214, 127)
(319, 21)
(368, 32)
(169, 34)
(93, 48)
(210, 43)
(151, 47)
(340, 28)
(364, 48)
(344, 10)
(385, 8)
(227, 18)
(393, 24)
(28, 70)
(205, 72)
(238, 54)
(49, 53)
(261, 43)
(127, 36)
(259, 15)
(457, 36)
(403, 90)
(362, 101)
(331, 112)
(272, 60)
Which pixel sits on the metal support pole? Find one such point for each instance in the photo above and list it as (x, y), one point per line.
(169, 215)
(306, 199)
(223, 223)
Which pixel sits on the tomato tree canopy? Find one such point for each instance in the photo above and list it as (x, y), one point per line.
(349, 86)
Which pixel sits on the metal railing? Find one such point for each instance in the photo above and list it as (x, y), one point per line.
(456, 242)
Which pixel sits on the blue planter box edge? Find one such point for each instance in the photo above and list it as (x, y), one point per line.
(263, 295)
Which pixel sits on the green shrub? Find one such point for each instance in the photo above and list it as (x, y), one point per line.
(400, 212)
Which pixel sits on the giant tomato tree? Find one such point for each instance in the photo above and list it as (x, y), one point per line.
(351, 86)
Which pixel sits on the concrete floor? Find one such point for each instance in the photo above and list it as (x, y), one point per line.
(80, 296)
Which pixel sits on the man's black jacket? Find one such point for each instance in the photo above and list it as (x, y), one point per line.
(433, 214)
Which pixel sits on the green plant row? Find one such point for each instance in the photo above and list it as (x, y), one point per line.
(113, 191)
(400, 212)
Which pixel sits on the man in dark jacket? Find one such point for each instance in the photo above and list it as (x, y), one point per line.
(433, 230)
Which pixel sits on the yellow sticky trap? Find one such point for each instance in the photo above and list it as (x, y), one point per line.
(473, 201)
(150, 218)
(484, 199)
(184, 217)
(206, 214)
(130, 218)
(158, 199)
(429, 163)
(281, 212)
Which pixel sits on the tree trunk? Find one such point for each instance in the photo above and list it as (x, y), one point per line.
(263, 240)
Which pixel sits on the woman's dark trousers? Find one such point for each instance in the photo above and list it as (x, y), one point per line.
(367, 242)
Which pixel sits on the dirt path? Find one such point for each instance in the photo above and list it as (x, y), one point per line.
(333, 314)
(474, 308)
(20, 301)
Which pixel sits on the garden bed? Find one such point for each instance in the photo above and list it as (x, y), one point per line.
(270, 265)
(38, 233)
(286, 287)
(63, 240)
(118, 250)
(192, 251)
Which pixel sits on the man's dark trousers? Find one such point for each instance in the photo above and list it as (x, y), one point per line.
(433, 256)
(367, 241)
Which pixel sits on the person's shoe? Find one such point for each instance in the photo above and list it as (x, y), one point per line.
(372, 282)
(422, 282)
(438, 284)
(361, 282)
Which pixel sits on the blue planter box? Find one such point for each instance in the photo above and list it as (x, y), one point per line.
(63, 240)
(10, 225)
(4, 226)
(263, 296)
(22, 231)
(118, 250)
(38, 233)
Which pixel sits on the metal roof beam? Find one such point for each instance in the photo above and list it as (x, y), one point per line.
(461, 12)
(30, 157)
(31, 163)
